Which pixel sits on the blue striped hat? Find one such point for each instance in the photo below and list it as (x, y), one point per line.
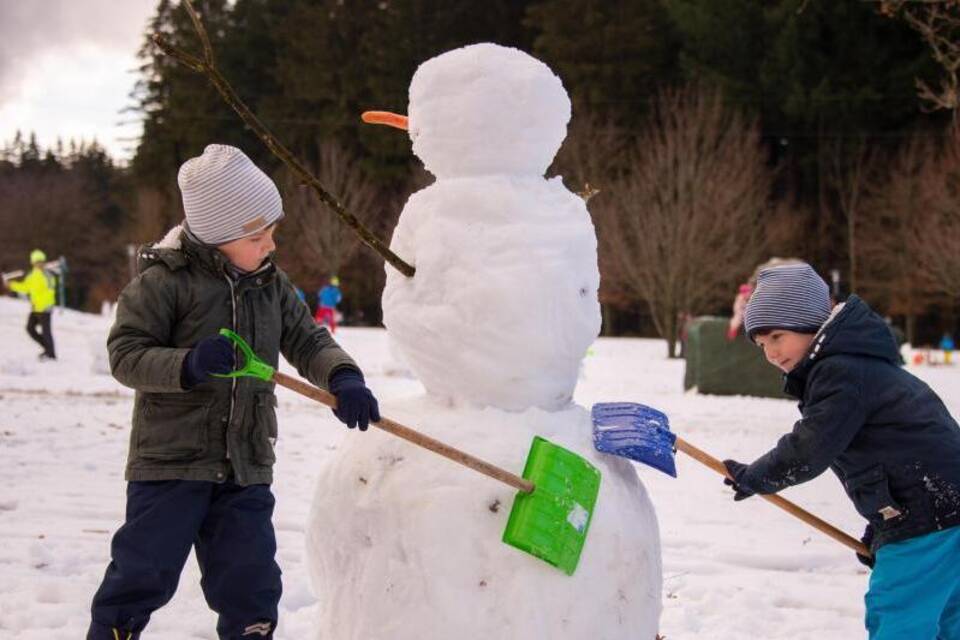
(790, 296)
(225, 195)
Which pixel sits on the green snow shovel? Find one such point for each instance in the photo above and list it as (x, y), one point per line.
(552, 511)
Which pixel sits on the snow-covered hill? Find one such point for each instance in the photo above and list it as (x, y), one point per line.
(730, 570)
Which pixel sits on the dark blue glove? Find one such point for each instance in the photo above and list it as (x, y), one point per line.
(210, 355)
(867, 539)
(356, 406)
(737, 471)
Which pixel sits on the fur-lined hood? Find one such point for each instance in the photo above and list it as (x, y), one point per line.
(172, 239)
(168, 251)
(177, 249)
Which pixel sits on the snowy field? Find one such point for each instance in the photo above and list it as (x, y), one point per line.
(741, 570)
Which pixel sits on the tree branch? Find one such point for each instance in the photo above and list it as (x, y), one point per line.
(207, 67)
(937, 23)
(202, 32)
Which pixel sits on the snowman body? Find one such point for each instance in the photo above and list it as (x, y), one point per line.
(405, 545)
(495, 323)
(504, 303)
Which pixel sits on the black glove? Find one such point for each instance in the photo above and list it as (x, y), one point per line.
(737, 471)
(867, 539)
(356, 406)
(210, 355)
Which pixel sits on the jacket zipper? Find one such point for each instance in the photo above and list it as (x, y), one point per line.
(233, 381)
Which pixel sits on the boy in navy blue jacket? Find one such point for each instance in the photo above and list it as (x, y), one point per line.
(886, 435)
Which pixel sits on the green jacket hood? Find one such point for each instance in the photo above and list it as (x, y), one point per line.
(178, 248)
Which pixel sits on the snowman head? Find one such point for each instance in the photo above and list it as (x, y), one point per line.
(484, 109)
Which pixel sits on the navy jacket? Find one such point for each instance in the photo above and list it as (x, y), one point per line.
(884, 432)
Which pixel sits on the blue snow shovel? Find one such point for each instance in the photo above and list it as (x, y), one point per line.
(641, 433)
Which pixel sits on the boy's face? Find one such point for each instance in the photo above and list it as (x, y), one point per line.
(784, 349)
(249, 253)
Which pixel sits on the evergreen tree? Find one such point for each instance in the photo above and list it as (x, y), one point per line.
(825, 77)
(612, 55)
(402, 34)
(320, 74)
(249, 57)
(724, 42)
(182, 112)
(840, 68)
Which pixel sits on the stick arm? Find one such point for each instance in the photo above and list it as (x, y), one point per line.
(410, 435)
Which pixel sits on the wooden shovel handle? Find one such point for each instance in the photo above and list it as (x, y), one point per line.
(815, 522)
(410, 435)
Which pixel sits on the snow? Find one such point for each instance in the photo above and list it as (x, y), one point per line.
(730, 570)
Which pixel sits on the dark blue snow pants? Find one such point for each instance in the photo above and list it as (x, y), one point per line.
(230, 527)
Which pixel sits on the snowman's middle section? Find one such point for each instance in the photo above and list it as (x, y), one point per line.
(504, 303)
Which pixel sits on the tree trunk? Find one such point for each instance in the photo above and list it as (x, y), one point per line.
(852, 249)
(672, 334)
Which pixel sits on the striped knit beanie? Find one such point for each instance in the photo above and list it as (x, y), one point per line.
(225, 195)
(790, 296)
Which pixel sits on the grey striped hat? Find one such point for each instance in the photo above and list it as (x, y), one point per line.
(790, 296)
(225, 195)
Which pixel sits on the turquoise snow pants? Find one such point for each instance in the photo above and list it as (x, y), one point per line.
(914, 589)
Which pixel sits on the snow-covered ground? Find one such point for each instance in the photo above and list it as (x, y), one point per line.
(742, 570)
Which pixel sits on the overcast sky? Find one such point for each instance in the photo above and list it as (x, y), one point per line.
(66, 69)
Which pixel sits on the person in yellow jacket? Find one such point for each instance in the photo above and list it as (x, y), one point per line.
(41, 289)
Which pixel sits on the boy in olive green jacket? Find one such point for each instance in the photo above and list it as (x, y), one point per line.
(201, 448)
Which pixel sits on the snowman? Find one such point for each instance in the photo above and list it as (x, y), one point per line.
(403, 544)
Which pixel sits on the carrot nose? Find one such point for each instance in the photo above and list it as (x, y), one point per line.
(385, 117)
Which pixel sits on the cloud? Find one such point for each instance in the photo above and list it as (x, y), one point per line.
(32, 29)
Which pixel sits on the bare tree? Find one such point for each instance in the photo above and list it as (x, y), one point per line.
(888, 233)
(593, 154)
(685, 224)
(156, 211)
(592, 160)
(318, 238)
(847, 173)
(786, 225)
(938, 23)
(934, 235)
(58, 211)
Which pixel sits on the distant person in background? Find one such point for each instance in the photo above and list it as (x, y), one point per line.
(327, 300)
(947, 346)
(744, 290)
(739, 304)
(41, 288)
